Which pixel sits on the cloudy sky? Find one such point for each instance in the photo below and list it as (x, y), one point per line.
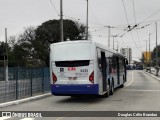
(15, 15)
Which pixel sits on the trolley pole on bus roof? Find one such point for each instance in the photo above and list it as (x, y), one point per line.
(61, 21)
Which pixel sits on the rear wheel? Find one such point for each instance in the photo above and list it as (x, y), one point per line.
(107, 93)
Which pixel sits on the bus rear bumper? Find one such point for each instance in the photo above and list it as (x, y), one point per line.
(74, 89)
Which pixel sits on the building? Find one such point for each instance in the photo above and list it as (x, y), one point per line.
(128, 53)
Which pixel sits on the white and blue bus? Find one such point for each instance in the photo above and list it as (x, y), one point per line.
(85, 68)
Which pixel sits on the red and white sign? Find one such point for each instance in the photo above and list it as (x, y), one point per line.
(71, 69)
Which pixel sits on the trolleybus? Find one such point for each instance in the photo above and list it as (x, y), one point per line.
(85, 68)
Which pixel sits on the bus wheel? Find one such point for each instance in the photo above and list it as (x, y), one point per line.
(112, 89)
(107, 93)
(121, 86)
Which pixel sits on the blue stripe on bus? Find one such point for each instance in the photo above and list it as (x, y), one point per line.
(74, 89)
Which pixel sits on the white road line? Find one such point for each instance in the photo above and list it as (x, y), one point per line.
(143, 90)
(27, 119)
(131, 81)
(4, 118)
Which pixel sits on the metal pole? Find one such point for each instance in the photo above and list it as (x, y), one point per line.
(61, 21)
(157, 67)
(146, 55)
(149, 55)
(109, 36)
(117, 46)
(113, 42)
(6, 63)
(87, 23)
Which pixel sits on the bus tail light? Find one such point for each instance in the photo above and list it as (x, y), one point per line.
(91, 77)
(54, 77)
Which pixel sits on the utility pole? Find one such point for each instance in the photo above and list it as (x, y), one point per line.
(87, 23)
(6, 54)
(117, 46)
(109, 36)
(61, 21)
(146, 55)
(113, 42)
(149, 55)
(157, 67)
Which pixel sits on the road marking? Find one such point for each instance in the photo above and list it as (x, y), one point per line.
(4, 118)
(131, 81)
(27, 119)
(59, 118)
(143, 90)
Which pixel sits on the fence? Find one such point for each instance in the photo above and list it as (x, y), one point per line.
(23, 82)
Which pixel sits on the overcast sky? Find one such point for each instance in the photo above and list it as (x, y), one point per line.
(15, 15)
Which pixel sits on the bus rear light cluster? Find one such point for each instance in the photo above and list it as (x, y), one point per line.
(54, 77)
(91, 77)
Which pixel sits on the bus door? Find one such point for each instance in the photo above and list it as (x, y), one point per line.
(104, 72)
(118, 70)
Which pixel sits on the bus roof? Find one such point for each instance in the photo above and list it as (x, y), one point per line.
(91, 42)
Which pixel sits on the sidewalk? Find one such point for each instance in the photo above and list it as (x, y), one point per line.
(153, 74)
(15, 102)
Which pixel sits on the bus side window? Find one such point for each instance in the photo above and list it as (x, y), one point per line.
(110, 65)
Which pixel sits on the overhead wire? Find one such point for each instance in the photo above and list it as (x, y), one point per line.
(150, 16)
(54, 7)
(125, 12)
(129, 27)
(136, 23)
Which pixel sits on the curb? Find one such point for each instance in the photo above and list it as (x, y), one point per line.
(152, 75)
(6, 104)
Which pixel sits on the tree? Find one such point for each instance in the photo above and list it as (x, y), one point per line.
(49, 32)
(153, 58)
(3, 47)
(32, 46)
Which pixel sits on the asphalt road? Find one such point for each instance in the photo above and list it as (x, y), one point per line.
(141, 93)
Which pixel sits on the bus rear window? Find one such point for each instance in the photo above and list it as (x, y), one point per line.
(76, 63)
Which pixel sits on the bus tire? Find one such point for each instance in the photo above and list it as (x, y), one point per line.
(121, 86)
(107, 93)
(112, 88)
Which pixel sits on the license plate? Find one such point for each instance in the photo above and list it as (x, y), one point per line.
(72, 78)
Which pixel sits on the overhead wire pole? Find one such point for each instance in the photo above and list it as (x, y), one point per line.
(61, 21)
(157, 67)
(87, 23)
(149, 54)
(109, 32)
(6, 54)
(146, 55)
(113, 42)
